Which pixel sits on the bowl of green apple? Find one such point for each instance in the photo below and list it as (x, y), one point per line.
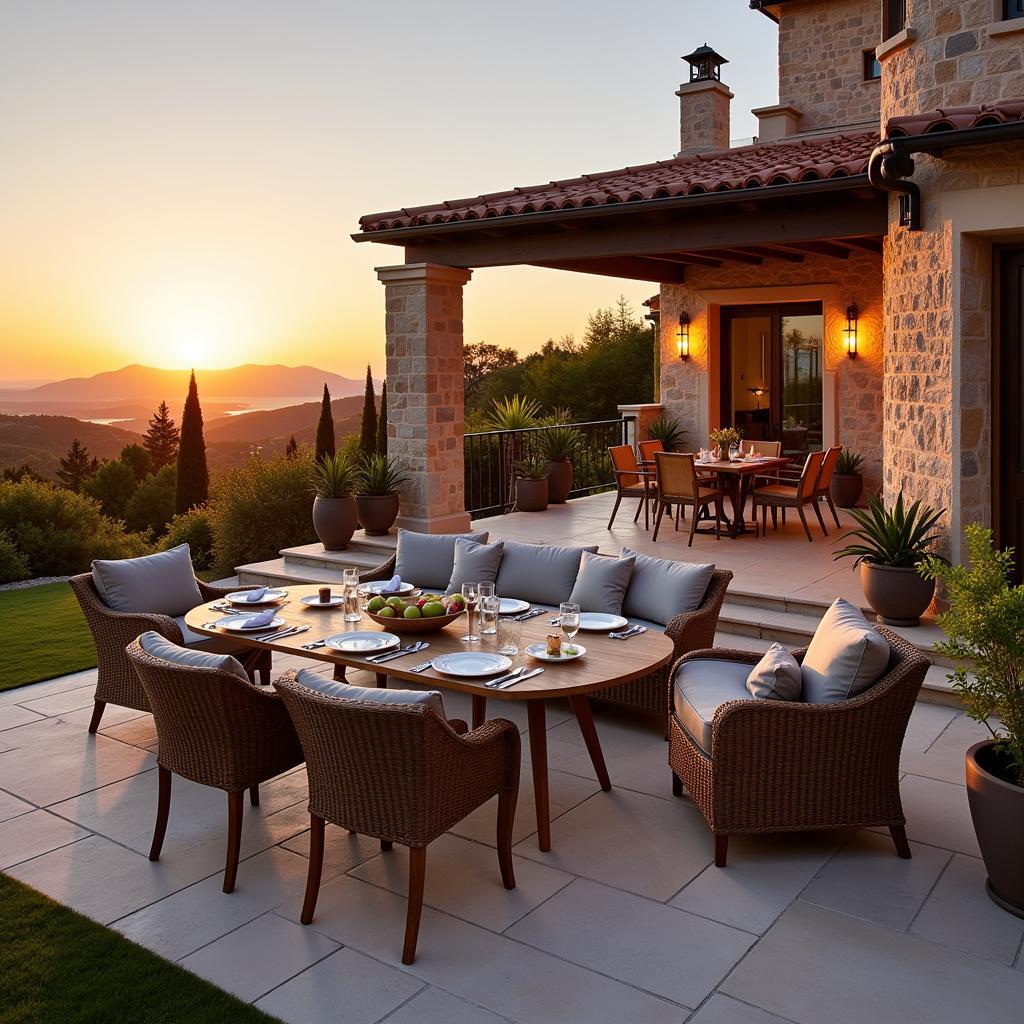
(424, 614)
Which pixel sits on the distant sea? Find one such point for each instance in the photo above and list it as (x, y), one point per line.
(224, 406)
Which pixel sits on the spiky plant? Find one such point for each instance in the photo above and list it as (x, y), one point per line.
(558, 443)
(900, 539)
(513, 413)
(667, 431)
(849, 462)
(335, 476)
(532, 467)
(379, 475)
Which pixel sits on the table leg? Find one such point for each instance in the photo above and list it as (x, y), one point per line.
(479, 711)
(580, 705)
(539, 764)
(339, 673)
(382, 680)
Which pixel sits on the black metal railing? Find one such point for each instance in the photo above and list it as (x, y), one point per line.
(491, 457)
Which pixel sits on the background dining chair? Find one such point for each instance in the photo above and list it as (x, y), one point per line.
(783, 496)
(821, 489)
(628, 481)
(678, 484)
(648, 449)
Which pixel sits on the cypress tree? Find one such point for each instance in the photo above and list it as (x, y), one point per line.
(291, 449)
(193, 484)
(382, 421)
(325, 428)
(76, 467)
(162, 437)
(368, 433)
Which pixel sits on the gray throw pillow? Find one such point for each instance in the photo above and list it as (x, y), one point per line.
(601, 583)
(426, 559)
(776, 676)
(157, 646)
(345, 691)
(475, 562)
(661, 588)
(164, 583)
(845, 657)
(539, 573)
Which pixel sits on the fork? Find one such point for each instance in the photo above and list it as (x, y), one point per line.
(627, 633)
(413, 648)
(529, 615)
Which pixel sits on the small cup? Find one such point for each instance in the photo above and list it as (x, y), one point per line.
(489, 608)
(508, 636)
(325, 595)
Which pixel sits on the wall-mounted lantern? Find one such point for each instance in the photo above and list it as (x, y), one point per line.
(850, 330)
(683, 336)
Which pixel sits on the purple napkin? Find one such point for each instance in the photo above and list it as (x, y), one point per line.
(394, 583)
(262, 619)
(256, 595)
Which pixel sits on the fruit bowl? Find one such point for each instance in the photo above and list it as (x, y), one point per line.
(426, 624)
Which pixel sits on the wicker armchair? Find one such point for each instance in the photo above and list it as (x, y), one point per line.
(216, 729)
(781, 766)
(116, 681)
(402, 774)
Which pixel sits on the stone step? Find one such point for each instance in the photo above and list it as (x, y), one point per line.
(277, 572)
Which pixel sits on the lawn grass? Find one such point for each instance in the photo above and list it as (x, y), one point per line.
(58, 967)
(45, 635)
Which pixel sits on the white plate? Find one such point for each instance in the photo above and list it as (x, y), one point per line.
(270, 597)
(599, 622)
(314, 601)
(540, 652)
(472, 664)
(363, 641)
(512, 606)
(381, 587)
(236, 624)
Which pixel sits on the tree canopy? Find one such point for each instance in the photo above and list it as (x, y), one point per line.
(193, 475)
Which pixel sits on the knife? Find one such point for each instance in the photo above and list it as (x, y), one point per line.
(379, 659)
(514, 674)
(519, 679)
(282, 633)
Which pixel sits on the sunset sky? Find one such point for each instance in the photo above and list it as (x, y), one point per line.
(180, 180)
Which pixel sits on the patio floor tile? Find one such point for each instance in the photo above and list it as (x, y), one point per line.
(58, 684)
(139, 731)
(33, 834)
(13, 715)
(343, 850)
(927, 721)
(585, 923)
(937, 814)
(11, 806)
(63, 702)
(944, 758)
(238, 962)
(721, 1009)
(434, 1006)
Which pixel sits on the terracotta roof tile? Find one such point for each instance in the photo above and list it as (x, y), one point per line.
(949, 119)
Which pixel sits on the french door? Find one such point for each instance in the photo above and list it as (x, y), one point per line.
(1010, 421)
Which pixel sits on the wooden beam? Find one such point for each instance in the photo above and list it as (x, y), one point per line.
(633, 267)
(867, 244)
(735, 256)
(692, 259)
(771, 253)
(819, 248)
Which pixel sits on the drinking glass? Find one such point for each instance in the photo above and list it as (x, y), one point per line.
(350, 581)
(569, 615)
(485, 589)
(489, 608)
(508, 636)
(472, 596)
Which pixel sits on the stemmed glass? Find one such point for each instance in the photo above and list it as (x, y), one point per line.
(472, 596)
(569, 616)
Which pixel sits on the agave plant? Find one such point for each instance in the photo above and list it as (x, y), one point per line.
(900, 539)
(532, 467)
(379, 475)
(849, 462)
(558, 443)
(514, 413)
(667, 431)
(336, 476)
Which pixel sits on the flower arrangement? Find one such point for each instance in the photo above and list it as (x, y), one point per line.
(723, 437)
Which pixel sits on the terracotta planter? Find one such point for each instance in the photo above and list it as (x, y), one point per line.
(377, 512)
(335, 520)
(899, 596)
(559, 481)
(997, 810)
(846, 489)
(531, 495)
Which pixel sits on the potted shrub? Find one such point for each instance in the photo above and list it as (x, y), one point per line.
(377, 494)
(335, 517)
(667, 431)
(892, 546)
(847, 484)
(985, 630)
(532, 484)
(557, 445)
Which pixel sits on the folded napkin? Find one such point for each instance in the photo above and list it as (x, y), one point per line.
(256, 595)
(394, 583)
(262, 619)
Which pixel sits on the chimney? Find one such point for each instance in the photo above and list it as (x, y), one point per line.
(703, 104)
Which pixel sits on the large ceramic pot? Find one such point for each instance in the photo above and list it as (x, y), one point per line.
(531, 495)
(335, 520)
(899, 596)
(997, 810)
(377, 512)
(846, 489)
(559, 481)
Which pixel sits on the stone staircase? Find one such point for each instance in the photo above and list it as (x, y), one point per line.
(310, 563)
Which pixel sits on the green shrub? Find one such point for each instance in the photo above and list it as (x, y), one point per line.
(261, 507)
(195, 529)
(113, 486)
(13, 564)
(152, 505)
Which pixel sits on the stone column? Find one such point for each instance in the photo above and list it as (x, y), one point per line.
(423, 325)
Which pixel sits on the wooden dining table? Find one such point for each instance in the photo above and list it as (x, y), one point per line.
(607, 662)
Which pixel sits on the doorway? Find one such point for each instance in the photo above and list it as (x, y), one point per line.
(1010, 430)
(771, 373)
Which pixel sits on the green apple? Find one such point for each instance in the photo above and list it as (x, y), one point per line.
(433, 609)
(375, 604)
(412, 612)
(457, 599)
(386, 612)
(395, 602)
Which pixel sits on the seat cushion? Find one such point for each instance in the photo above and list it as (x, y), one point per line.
(601, 583)
(700, 688)
(345, 691)
(164, 583)
(539, 573)
(475, 562)
(158, 646)
(776, 490)
(661, 588)
(426, 559)
(845, 657)
(776, 676)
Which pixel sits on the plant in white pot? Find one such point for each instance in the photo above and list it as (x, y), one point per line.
(891, 546)
(335, 516)
(985, 630)
(377, 496)
(532, 484)
(558, 444)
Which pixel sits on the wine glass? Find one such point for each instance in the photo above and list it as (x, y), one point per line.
(472, 596)
(569, 617)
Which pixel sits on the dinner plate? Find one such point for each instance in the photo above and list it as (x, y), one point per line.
(314, 601)
(363, 641)
(381, 587)
(270, 597)
(236, 624)
(512, 606)
(540, 652)
(601, 621)
(472, 664)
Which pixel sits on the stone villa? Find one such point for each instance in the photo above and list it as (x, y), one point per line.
(854, 276)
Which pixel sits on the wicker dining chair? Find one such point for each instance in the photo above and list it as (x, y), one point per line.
(786, 766)
(783, 496)
(402, 774)
(821, 489)
(679, 485)
(628, 481)
(218, 730)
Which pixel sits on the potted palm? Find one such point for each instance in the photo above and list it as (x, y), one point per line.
(558, 444)
(667, 431)
(891, 548)
(985, 630)
(532, 484)
(847, 483)
(511, 416)
(335, 517)
(377, 493)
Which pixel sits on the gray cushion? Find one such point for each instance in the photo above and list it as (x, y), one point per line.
(164, 583)
(661, 588)
(345, 691)
(601, 583)
(475, 562)
(845, 656)
(160, 647)
(700, 688)
(538, 572)
(426, 559)
(776, 676)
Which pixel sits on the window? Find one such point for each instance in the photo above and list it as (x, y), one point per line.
(1013, 9)
(872, 66)
(894, 17)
